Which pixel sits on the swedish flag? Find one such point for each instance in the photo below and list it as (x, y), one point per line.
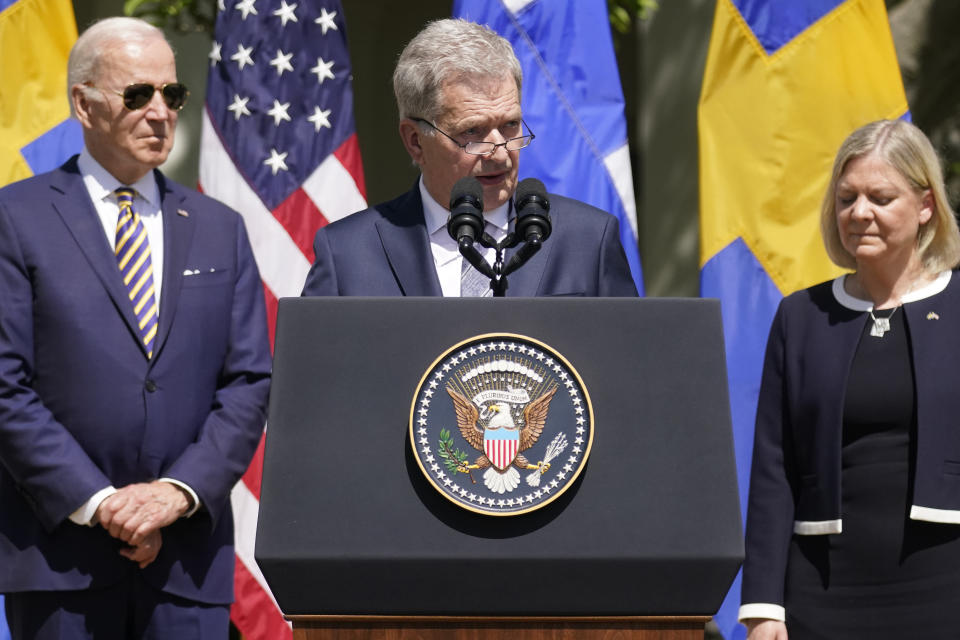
(36, 132)
(785, 83)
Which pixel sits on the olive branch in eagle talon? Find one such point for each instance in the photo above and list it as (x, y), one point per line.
(453, 459)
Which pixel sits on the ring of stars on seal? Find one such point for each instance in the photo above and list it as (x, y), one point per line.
(501, 424)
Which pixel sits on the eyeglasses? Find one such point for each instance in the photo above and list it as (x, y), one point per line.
(486, 148)
(137, 96)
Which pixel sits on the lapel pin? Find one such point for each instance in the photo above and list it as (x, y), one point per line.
(933, 316)
(181, 212)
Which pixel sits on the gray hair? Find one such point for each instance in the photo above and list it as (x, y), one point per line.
(99, 38)
(905, 148)
(446, 50)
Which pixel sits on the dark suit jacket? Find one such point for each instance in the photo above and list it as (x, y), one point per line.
(81, 406)
(795, 479)
(385, 251)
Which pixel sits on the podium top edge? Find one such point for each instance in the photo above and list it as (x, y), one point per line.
(544, 299)
(496, 619)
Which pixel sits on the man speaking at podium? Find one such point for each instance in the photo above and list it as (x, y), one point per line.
(457, 86)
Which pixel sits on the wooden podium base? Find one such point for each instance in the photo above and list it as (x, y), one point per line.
(490, 628)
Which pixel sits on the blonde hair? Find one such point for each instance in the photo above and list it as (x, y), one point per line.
(905, 148)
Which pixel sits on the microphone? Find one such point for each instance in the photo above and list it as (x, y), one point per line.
(533, 211)
(466, 211)
(533, 224)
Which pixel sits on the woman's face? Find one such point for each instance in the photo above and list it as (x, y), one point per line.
(878, 213)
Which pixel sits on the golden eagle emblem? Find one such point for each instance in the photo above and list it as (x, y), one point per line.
(501, 424)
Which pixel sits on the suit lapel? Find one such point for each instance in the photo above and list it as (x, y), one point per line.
(525, 281)
(72, 202)
(178, 227)
(403, 234)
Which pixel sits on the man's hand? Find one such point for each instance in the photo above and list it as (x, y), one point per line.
(138, 510)
(762, 629)
(146, 552)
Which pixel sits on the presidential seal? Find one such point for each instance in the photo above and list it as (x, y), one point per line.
(501, 424)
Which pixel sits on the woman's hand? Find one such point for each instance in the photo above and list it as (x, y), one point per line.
(764, 629)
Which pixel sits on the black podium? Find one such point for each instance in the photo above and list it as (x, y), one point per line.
(352, 537)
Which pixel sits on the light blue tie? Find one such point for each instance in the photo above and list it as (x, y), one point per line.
(473, 284)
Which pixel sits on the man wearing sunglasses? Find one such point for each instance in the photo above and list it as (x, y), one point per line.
(457, 86)
(134, 368)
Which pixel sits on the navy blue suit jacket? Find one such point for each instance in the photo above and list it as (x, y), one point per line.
(81, 405)
(795, 478)
(385, 251)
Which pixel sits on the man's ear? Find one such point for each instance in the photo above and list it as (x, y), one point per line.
(411, 136)
(81, 104)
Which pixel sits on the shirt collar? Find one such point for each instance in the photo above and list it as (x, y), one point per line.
(435, 214)
(101, 184)
(857, 304)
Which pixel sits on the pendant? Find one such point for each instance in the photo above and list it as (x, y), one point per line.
(880, 327)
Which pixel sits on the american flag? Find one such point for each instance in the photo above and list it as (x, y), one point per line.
(279, 146)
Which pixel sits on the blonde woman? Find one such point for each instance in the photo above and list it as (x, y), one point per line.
(853, 523)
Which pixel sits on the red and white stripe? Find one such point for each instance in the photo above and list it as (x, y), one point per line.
(501, 452)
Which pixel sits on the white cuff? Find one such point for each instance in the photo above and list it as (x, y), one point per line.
(84, 515)
(817, 527)
(762, 610)
(929, 514)
(190, 492)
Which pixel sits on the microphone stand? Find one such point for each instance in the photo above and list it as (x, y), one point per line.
(499, 272)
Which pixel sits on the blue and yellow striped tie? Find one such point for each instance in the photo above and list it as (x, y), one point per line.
(136, 268)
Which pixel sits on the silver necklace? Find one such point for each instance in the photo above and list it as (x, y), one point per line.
(881, 325)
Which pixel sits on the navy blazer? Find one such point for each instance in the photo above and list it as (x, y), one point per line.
(81, 405)
(385, 251)
(795, 477)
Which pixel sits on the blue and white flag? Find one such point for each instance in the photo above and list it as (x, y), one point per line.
(572, 101)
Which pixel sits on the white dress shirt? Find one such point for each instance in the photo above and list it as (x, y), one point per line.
(446, 256)
(146, 202)
(101, 186)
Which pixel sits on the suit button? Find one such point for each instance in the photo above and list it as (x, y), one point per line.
(151, 386)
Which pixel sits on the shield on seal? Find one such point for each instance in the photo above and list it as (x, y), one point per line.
(501, 446)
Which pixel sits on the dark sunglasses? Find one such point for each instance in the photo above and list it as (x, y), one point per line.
(137, 96)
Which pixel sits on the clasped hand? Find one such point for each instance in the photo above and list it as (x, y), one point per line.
(136, 513)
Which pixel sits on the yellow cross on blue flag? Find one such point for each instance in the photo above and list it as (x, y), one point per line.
(784, 85)
(36, 132)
